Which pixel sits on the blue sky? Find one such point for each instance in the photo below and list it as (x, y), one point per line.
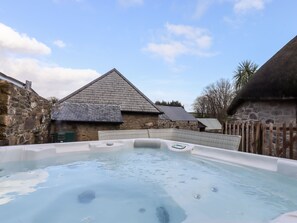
(170, 50)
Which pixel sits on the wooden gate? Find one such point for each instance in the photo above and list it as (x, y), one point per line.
(267, 139)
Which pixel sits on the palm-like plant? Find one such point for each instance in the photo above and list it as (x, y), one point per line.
(243, 73)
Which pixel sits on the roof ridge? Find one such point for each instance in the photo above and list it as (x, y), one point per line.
(103, 76)
(86, 103)
(135, 88)
(85, 86)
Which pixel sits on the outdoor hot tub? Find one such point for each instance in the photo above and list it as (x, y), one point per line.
(143, 180)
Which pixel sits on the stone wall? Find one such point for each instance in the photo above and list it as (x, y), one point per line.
(139, 121)
(276, 112)
(189, 125)
(84, 131)
(24, 116)
(88, 131)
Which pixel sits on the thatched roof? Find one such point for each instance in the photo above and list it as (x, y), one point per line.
(85, 112)
(174, 113)
(113, 88)
(275, 80)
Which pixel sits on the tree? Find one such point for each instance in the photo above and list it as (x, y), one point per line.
(215, 100)
(244, 71)
(172, 103)
(53, 100)
(200, 107)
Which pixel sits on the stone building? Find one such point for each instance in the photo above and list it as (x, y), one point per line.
(24, 115)
(271, 94)
(108, 103)
(177, 117)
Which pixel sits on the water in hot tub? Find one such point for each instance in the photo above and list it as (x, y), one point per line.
(141, 186)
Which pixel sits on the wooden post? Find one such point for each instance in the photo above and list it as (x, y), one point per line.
(242, 137)
(263, 129)
(252, 138)
(264, 139)
(291, 140)
(277, 149)
(295, 142)
(247, 138)
(257, 140)
(284, 149)
(270, 139)
(226, 128)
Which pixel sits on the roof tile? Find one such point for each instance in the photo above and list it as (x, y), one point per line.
(113, 88)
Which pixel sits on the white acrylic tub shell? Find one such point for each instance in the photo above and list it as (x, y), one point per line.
(43, 151)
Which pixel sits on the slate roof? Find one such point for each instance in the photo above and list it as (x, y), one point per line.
(175, 114)
(275, 80)
(114, 89)
(210, 123)
(85, 112)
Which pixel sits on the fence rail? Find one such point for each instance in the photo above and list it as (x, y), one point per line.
(267, 139)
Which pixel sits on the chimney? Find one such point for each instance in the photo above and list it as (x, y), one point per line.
(28, 85)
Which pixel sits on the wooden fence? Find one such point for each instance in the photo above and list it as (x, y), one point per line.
(267, 139)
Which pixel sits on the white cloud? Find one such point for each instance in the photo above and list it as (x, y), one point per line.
(199, 37)
(48, 79)
(59, 43)
(129, 3)
(168, 51)
(181, 40)
(15, 42)
(243, 6)
(201, 7)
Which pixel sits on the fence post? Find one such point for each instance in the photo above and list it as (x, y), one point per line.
(247, 138)
(252, 138)
(258, 138)
(277, 149)
(291, 140)
(242, 137)
(263, 150)
(284, 149)
(270, 139)
(295, 140)
(226, 128)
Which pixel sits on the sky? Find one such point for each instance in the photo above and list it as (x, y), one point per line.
(169, 49)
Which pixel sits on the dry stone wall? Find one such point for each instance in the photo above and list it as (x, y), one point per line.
(189, 125)
(24, 116)
(276, 112)
(139, 121)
